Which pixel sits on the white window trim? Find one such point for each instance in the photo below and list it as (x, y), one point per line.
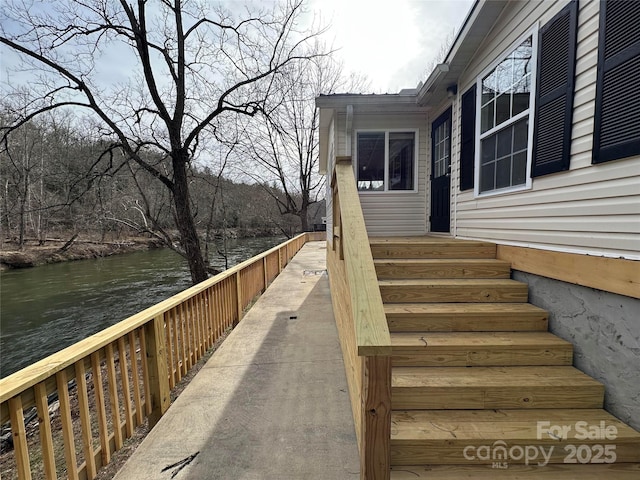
(387, 131)
(530, 113)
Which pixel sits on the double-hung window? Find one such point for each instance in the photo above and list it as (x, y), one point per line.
(386, 160)
(505, 117)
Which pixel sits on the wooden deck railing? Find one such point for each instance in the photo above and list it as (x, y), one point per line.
(362, 325)
(107, 384)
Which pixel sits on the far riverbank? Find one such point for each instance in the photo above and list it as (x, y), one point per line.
(56, 250)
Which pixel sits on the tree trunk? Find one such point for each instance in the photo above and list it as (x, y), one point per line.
(184, 218)
(304, 218)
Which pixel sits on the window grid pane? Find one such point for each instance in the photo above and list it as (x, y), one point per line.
(386, 161)
(503, 157)
(371, 148)
(401, 160)
(506, 92)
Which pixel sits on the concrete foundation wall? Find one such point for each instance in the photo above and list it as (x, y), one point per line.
(605, 331)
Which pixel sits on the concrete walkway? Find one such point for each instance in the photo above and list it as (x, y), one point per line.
(271, 403)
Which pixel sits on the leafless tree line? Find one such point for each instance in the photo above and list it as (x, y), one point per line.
(196, 72)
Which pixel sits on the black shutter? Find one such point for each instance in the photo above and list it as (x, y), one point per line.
(468, 138)
(617, 117)
(554, 91)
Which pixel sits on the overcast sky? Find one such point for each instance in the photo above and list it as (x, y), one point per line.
(391, 41)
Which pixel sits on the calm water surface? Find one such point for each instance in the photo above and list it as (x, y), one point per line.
(45, 309)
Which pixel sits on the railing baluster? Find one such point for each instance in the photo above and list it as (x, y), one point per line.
(126, 391)
(238, 299)
(145, 368)
(135, 378)
(189, 334)
(184, 343)
(177, 341)
(67, 425)
(44, 424)
(113, 396)
(105, 449)
(85, 419)
(169, 327)
(19, 433)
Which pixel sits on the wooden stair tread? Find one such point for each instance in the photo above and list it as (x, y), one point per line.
(490, 425)
(466, 377)
(439, 261)
(455, 340)
(461, 290)
(423, 239)
(442, 268)
(466, 349)
(472, 317)
(440, 437)
(429, 247)
(454, 282)
(493, 387)
(615, 471)
(471, 309)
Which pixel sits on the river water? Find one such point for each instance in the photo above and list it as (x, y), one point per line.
(45, 309)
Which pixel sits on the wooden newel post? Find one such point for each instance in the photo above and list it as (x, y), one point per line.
(158, 369)
(375, 454)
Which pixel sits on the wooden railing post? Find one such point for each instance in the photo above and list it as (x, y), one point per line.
(158, 370)
(375, 455)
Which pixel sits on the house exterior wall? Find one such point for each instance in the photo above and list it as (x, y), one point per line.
(392, 213)
(593, 209)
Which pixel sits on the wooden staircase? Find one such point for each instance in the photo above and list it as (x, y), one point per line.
(476, 374)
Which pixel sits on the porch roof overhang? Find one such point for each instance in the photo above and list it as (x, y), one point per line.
(334, 104)
(478, 24)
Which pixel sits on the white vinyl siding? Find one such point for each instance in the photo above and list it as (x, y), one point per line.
(392, 212)
(592, 209)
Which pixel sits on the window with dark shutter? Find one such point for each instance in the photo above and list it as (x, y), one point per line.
(554, 90)
(617, 116)
(468, 141)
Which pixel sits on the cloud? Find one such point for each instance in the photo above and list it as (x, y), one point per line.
(391, 41)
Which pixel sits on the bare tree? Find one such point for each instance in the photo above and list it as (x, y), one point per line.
(283, 146)
(188, 64)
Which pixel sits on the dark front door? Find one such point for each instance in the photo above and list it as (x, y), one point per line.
(441, 173)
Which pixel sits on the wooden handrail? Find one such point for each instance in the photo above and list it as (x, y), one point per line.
(130, 366)
(362, 324)
(372, 331)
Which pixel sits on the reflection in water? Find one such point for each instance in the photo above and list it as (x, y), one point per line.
(45, 309)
